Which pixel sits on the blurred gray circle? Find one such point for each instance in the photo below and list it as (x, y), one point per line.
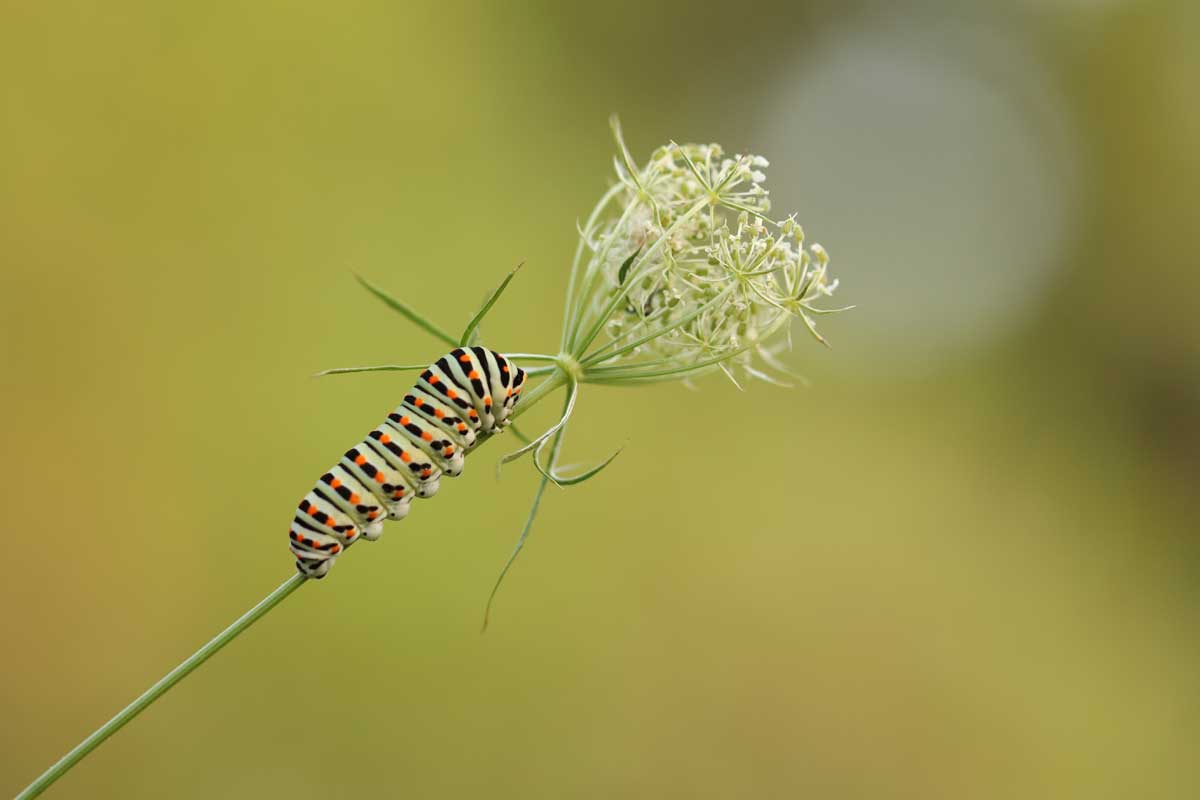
(937, 164)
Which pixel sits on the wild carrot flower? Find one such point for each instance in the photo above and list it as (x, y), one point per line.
(680, 270)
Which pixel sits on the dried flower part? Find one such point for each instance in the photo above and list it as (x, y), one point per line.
(685, 271)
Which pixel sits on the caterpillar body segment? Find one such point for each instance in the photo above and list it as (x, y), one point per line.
(468, 391)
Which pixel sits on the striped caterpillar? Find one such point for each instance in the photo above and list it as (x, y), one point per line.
(405, 457)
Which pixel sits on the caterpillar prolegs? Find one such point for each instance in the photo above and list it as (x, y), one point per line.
(470, 390)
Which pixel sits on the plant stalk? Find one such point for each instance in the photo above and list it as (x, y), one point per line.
(159, 689)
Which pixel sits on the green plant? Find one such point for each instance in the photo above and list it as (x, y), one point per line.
(679, 272)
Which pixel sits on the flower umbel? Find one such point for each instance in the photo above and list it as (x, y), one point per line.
(681, 271)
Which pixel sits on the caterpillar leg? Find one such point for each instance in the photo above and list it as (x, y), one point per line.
(311, 568)
(315, 551)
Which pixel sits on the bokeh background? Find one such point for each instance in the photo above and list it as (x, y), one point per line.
(963, 563)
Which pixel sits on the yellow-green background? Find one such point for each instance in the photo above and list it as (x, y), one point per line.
(953, 567)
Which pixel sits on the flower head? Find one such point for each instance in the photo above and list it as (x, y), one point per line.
(680, 270)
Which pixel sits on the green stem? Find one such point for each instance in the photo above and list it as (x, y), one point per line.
(590, 276)
(569, 305)
(579, 349)
(159, 689)
(600, 356)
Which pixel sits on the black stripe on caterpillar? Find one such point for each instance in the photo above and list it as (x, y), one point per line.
(468, 391)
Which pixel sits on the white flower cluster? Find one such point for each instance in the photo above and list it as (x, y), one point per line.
(686, 273)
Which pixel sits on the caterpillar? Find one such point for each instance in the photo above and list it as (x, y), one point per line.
(426, 437)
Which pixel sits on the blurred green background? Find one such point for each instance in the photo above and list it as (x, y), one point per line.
(962, 564)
